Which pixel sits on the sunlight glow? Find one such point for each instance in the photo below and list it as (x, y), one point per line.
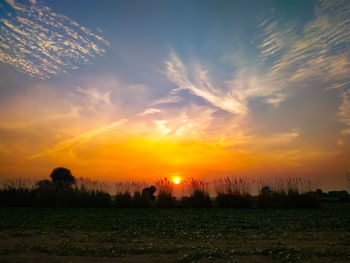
(177, 180)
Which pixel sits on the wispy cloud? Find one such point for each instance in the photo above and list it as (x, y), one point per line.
(276, 141)
(201, 86)
(167, 99)
(319, 51)
(149, 111)
(81, 138)
(189, 123)
(230, 95)
(344, 111)
(39, 42)
(95, 96)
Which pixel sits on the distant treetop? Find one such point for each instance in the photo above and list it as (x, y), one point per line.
(62, 178)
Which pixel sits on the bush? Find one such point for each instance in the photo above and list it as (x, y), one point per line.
(233, 201)
(287, 200)
(165, 200)
(165, 197)
(140, 201)
(199, 199)
(233, 192)
(122, 200)
(17, 197)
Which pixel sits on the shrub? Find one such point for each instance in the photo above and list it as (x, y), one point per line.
(165, 197)
(45, 193)
(287, 198)
(233, 192)
(139, 201)
(17, 193)
(233, 201)
(199, 197)
(122, 200)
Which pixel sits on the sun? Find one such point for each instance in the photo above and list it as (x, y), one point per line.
(177, 180)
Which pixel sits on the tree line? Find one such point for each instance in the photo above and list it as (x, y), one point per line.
(62, 191)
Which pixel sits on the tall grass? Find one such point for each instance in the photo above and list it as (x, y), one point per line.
(20, 192)
(199, 194)
(17, 192)
(129, 194)
(165, 189)
(288, 193)
(233, 192)
(129, 186)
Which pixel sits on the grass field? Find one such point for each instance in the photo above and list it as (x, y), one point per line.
(174, 235)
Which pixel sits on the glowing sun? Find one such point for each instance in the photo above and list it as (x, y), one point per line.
(177, 180)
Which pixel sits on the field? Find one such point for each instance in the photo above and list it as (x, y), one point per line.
(174, 235)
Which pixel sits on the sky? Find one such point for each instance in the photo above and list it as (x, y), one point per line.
(140, 90)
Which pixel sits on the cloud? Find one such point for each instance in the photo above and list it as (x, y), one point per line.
(254, 142)
(320, 50)
(290, 56)
(168, 99)
(190, 122)
(231, 95)
(41, 43)
(95, 95)
(344, 112)
(149, 111)
(81, 138)
(201, 86)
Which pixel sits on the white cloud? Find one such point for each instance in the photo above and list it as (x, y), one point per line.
(231, 95)
(319, 51)
(168, 99)
(39, 42)
(149, 111)
(189, 122)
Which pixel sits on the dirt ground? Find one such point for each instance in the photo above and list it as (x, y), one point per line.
(174, 235)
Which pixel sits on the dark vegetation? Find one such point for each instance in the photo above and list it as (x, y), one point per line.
(175, 235)
(64, 190)
(199, 196)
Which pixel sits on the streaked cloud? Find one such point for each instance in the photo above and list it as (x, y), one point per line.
(320, 50)
(201, 86)
(81, 138)
(344, 111)
(189, 122)
(149, 111)
(168, 99)
(231, 95)
(41, 43)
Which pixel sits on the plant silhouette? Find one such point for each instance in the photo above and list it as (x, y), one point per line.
(62, 178)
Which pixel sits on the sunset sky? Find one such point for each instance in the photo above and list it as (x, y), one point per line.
(147, 89)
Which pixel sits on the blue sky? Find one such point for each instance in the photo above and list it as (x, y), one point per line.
(265, 82)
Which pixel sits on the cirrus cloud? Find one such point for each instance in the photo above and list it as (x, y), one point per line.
(42, 43)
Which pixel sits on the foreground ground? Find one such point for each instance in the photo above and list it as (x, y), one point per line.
(174, 235)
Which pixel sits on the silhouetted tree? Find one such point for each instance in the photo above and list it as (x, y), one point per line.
(62, 178)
